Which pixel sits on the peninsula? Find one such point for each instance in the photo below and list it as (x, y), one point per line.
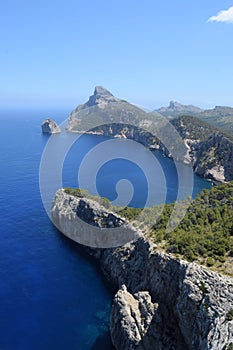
(161, 302)
(209, 150)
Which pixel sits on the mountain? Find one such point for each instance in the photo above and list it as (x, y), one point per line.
(220, 116)
(196, 142)
(104, 108)
(176, 109)
(162, 302)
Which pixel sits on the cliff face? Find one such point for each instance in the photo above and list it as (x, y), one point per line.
(161, 303)
(50, 127)
(87, 222)
(209, 151)
(192, 302)
(213, 158)
(195, 143)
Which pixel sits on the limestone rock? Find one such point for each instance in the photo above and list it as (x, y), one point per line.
(193, 301)
(131, 317)
(50, 127)
(162, 303)
(213, 158)
(101, 97)
(87, 222)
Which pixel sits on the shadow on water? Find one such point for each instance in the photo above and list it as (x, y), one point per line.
(103, 341)
(82, 252)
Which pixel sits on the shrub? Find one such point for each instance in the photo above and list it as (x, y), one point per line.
(209, 261)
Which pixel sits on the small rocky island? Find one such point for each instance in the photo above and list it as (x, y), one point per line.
(49, 126)
(161, 302)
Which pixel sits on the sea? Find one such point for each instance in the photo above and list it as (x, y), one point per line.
(52, 294)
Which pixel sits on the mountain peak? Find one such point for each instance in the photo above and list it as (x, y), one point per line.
(175, 105)
(100, 98)
(175, 109)
(100, 90)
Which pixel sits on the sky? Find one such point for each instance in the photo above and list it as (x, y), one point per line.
(53, 53)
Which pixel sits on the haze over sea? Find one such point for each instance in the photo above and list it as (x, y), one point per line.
(52, 295)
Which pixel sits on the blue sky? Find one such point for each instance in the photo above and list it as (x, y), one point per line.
(149, 52)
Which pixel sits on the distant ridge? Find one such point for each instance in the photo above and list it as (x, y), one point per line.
(176, 109)
(220, 116)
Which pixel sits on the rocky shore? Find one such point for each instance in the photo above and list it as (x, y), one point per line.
(161, 302)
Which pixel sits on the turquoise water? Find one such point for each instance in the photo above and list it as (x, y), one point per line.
(52, 295)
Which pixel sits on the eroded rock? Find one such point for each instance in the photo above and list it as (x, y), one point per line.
(49, 126)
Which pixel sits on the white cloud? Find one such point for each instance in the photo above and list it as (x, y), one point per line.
(223, 16)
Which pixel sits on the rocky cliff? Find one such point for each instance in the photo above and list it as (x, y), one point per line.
(87, 222)
(208, 150)
(162, 302)
(196, 142)
(50, 127)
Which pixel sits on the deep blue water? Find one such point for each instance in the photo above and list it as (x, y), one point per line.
(52, 295)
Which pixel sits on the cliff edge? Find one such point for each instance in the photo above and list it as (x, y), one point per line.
(162, 302)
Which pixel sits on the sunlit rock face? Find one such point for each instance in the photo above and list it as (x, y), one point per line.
(161, 302)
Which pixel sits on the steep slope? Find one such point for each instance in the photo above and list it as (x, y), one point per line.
(161, 302)
(104, 108)
(209, 151)
(195, 142)
(205, 234)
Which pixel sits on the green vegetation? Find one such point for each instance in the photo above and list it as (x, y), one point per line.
(197, 129)
(80, 193)
(229, 315)
(202, 288)
(220, 117)
(206, 232)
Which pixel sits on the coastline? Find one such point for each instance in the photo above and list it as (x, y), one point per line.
(214, 175)
(185, 304)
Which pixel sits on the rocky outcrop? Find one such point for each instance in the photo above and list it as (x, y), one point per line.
(131, 317)
(100, 98)
(208, 151)
(213, 158)
(87, 222)
(101, 109)
(193, 302)
(162, 302)
(176, 109)
(50, 127)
